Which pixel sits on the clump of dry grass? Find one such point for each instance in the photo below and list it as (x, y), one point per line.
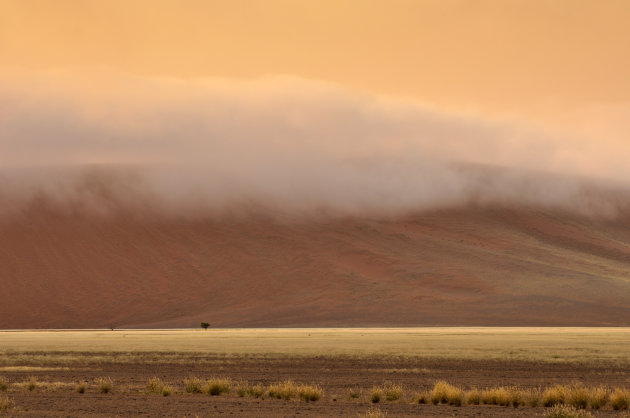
(157, 386)
(496, 396)
(472, 397)
(376, 395)
(620, 399)
(532, 397)
(503, 396)
(567, 411)
(31, 384)
(81, 387)
(310, 393)
(518, 397)
(5, 403)
(104, 384)
(243, 389)
(283, 390)
(217, 386)
(553, 396)
(154, 385)
(167, 390)
(256, 391)
(576, 396)
(388, 391)
(354, 393)
(392, 391)
(193, 384)
(598, 397)
(423, 398)
(4, 384)
(444, 392)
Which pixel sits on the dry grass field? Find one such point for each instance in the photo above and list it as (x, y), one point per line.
(317, 372)
(530, 344)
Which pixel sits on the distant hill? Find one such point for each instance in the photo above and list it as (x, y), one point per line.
(475, 265)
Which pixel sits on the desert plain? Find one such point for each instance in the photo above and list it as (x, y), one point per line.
(149, 372)
(380, 208)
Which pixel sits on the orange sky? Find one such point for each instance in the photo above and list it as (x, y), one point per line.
(537, 85)
(482, 54)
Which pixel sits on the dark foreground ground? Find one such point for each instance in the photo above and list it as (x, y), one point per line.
(337, 376)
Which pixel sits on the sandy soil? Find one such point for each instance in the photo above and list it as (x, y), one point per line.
(466, 266)
(335, 375)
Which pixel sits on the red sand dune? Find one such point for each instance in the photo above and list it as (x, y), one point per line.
(466, 266)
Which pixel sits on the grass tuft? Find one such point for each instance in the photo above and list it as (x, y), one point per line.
(620, 399)
(598, 397)
(193, 385)
(497, 396)
(104, 384)
(256, 391)
(423, 398)
(81, 387)
(517, 396)
(217, 386)
(354, 393)
(388, 391)
(166, 390)
(241, 390)
(392, 392)
(283, 390)
(376, 395)
(576, 396)
(310, 393)
(155, 385)
(567, 411)
(553, 396)
(472, 397)
(5, 403)
(4, 384)
(444, 392)
(31, 384)
(533, 397)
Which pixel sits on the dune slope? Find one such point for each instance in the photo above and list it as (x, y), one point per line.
(465, 266)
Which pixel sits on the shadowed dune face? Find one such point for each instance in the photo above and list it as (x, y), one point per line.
(467, 264)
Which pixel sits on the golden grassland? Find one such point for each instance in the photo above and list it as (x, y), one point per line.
(565, 399)
(532, 344)
(25, 352)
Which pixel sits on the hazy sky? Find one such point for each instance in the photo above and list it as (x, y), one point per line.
(284, 86)
(480, 53)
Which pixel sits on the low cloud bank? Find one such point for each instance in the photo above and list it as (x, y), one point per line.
(100, 143)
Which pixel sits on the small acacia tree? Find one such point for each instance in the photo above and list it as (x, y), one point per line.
(205, 325)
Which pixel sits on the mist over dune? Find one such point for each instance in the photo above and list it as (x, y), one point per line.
(289, 202)
(290, 145)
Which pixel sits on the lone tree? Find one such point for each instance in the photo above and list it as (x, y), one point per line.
(205, 325)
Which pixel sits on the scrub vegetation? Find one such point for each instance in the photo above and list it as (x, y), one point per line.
(363, 384)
